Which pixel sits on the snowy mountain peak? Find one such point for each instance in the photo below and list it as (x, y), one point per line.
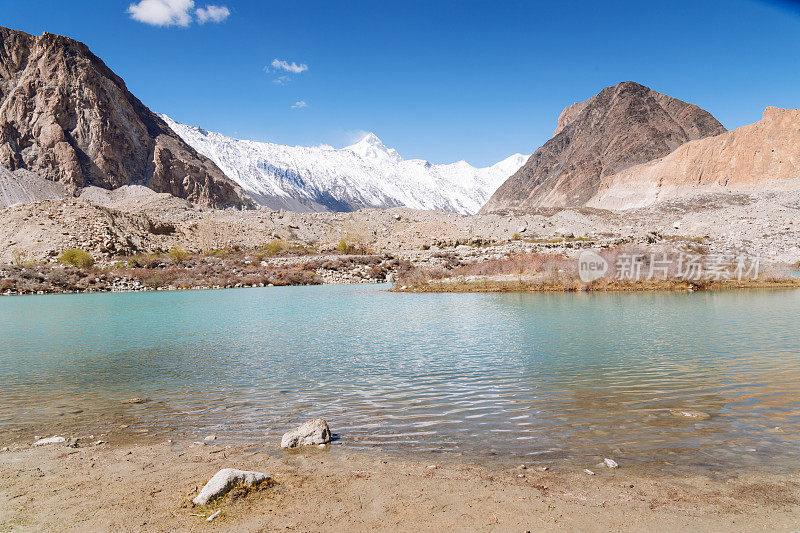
(366, 174)
(371, 147)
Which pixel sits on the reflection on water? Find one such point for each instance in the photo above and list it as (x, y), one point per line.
(512, 376)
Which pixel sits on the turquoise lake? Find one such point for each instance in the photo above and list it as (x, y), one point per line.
(505, 377)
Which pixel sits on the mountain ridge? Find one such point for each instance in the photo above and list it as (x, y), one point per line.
(621, 126)
(363, 175)
(760, 156)
(66, 116)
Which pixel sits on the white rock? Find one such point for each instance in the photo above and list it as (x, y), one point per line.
(210, 438)
(588, 471)
(610, 463)
(680, 413)
(213, 516)
(224, 480)
(51, 440)
(314, 431)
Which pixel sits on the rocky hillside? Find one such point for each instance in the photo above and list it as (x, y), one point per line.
(366, 174)
(67, 117)
(23, 187)
(622, 126)
(755, 158)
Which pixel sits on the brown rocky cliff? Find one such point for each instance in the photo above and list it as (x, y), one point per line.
(622, 126)
(760, 157)
(67, 117)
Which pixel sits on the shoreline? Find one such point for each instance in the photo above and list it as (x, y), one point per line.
(495, 286)
(149, 485)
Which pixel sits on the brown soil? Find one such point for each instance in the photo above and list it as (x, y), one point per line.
(148, 487)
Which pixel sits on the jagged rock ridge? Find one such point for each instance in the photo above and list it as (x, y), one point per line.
(622, 126)
(67, 117)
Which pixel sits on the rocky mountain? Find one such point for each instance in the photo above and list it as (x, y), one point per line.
(23, 187)
(366, 174)
(67, 117)
(622, 126)
(764, 156)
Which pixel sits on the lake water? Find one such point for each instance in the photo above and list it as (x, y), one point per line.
(505, 377)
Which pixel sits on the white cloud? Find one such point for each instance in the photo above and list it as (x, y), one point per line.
(175, 12)
(212, 14)
(163, 12)
(294, 68)
(300, 104)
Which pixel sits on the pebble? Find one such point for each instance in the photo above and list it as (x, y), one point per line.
(588, 471)
(210, 438)
(680, 413)
(213, 516)
(610, 463)
(135, 400)
(431, 467)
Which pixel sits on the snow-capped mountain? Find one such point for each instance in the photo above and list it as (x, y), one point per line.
(366, 174)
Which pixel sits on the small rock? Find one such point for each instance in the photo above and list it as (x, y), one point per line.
(520, 475)
(588, 471)
(213, 516)
(210, 438)
(610, 463)
(98, 443)
(699, 415)
(320, 445)
(522, 467)
(4, 449)
(431, 467)
(314, 431)
(135, 400)
(51, 440)
(224, 480)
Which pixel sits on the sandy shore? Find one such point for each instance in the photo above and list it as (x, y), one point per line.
(148, 487)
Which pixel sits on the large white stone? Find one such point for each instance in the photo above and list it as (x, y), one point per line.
(313, 432)
(50, 440)
(225, 480)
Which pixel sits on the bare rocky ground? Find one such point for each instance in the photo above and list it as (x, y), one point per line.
(148, 486)
(132, 221)
(138, 220)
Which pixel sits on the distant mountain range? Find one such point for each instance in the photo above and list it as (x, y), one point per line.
(67, 118)
(366, 174)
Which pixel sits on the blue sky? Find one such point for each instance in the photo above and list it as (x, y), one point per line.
(436, 79)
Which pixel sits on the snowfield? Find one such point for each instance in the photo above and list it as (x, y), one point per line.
(366, 174)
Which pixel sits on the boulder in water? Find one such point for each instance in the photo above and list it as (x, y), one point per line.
(313, 432)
